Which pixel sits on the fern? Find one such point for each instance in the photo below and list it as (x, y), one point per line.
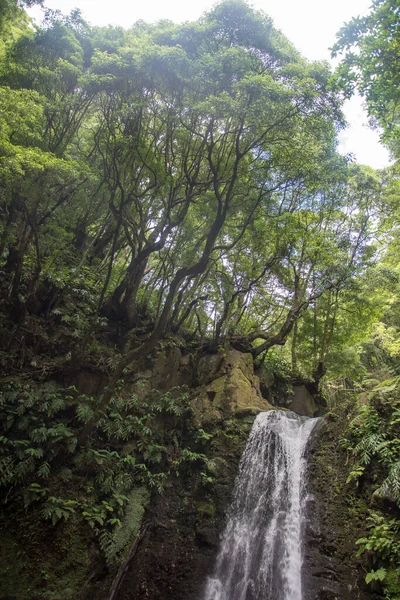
(378, 575)
(56, 509)
(84, 412)
(373, 439)
(368, 446)
(391, 485)
(107, 545)
(355, 474)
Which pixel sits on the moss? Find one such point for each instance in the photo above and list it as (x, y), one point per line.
(392, 585)
(217, 466)
(218, 387)
(124, 536)
(206, 509)
(230, 440)
(15, 580)
(39, 564)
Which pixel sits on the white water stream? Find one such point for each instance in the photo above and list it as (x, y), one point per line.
(261, 551)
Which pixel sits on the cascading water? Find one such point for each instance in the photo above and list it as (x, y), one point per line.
(261, 556)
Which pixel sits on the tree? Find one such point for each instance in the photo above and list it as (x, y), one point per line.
(188, 172)
(371, 63)
(194, 150)
(9, 10)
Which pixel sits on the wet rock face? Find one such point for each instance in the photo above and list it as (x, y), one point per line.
(173, 558)
(179, 548)
(336, 518)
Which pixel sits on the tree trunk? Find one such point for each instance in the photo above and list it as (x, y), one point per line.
(294, 344)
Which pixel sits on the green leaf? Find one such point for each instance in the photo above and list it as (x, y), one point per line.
(378, 575)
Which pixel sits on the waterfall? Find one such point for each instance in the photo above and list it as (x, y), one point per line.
(261, 556)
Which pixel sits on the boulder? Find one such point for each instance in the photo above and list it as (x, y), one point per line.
(303, 403)
(231, 389)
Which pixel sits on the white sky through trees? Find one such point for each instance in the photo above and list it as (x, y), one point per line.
(311, 25)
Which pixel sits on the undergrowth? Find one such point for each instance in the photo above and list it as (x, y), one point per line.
(373, 445)
(137, 445)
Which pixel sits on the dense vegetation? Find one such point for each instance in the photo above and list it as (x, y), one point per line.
(181, 184)
(177, 179)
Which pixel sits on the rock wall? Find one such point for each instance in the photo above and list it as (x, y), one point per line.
(336, 518)
(181, 542)
(182, 526)
(174, 536)
(179, 547)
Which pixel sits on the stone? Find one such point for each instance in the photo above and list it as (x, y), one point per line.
(267, 380)
(233, 389)
(335, 519)
(303, 403)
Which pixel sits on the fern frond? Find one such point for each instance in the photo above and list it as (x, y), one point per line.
(368, 446)
(390, 488)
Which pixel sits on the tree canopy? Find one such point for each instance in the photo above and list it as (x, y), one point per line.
(178, 180)
(371, 63)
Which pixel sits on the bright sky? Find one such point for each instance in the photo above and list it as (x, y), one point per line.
(311, 25)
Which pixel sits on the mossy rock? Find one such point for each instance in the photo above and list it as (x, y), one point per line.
(131, 523)
(41, 562)
(233, 390)
(206, 509)
(303, 402)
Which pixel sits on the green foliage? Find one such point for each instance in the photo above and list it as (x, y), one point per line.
(203, 436)
(31, 438)
(382, 540)
(174, 402)
(374, 444)
(137, 445)
(56, 509)
(378, 575)
(381, 544)
(276, 363)
(373, 436)
(355, 474)
(206, 479)
(107, 512)
(110, 141)
(371, 62)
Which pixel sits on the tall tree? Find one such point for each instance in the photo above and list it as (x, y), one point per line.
(188, 172)
(371, 63)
